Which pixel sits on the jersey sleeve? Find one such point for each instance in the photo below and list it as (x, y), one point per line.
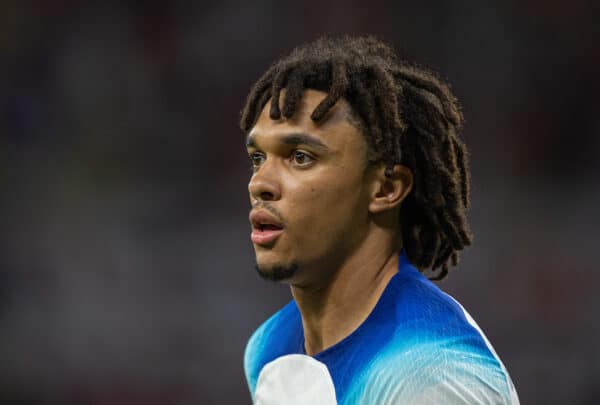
(425, 375)
(252, 358)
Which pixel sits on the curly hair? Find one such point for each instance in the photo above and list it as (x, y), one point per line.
(408, 116)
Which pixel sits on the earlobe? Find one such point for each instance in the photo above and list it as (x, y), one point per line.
(392, 185)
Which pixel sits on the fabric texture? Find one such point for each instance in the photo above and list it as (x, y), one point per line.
(418, 346)
(295, 379)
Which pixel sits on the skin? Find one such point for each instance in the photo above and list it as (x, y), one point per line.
(339, 216)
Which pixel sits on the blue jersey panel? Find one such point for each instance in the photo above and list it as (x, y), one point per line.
(417, 346)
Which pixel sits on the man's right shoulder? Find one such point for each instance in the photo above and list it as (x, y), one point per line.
(279, 335)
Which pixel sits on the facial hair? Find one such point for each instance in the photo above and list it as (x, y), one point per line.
(278, 273)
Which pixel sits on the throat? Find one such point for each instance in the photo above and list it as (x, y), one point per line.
(333, 312)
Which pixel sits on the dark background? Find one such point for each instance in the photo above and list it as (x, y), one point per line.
(126, 270)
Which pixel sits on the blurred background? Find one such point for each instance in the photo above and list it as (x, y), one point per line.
(126, 270)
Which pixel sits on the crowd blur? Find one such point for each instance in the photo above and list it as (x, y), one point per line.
(126, 270)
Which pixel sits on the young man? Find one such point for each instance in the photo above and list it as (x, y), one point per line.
(359, 183)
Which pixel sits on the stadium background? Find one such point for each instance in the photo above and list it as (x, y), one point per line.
(125, 264)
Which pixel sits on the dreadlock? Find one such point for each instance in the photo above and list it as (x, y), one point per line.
(408, 116)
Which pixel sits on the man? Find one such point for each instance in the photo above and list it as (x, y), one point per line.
(359, 183)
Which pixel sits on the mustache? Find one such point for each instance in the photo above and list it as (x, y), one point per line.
(270, 208)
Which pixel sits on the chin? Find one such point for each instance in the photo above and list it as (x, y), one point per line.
(277, 272)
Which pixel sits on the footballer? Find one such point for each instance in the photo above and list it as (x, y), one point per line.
(360, 183)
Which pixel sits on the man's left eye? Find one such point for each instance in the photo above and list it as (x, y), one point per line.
(301, 158)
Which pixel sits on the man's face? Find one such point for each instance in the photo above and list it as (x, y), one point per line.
(309, 191)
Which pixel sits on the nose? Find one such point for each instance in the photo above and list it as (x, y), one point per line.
(264, 184)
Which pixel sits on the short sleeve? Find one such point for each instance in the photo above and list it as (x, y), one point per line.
(424, 375)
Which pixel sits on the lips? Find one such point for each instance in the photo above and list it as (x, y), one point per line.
(265, 228)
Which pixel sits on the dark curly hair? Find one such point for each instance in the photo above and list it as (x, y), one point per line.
(408, 116)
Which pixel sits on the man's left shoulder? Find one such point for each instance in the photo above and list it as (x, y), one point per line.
(437, 372)
(439, 356)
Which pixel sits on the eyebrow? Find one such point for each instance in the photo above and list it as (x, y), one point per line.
(293, 139)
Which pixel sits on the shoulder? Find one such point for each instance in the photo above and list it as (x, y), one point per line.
(277, 336)
(438, 355)
(435, 373)
(424, 313)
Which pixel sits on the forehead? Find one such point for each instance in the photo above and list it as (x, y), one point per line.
(336, 127)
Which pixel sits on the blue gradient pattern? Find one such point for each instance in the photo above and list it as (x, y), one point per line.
(417, 346)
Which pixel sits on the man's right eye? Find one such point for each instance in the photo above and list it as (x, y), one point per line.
(257, 159)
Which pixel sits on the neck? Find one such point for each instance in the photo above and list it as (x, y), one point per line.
(333, 309)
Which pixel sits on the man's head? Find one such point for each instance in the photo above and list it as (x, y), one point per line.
(353, 140)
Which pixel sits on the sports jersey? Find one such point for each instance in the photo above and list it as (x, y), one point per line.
(417, 346)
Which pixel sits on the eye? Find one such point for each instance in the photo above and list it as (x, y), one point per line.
(256, 159)
(301, 158)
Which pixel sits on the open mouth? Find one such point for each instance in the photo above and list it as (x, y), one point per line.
(268, 227)
(265, 228)
(265, 234)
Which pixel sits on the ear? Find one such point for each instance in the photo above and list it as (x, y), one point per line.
(391, 186)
